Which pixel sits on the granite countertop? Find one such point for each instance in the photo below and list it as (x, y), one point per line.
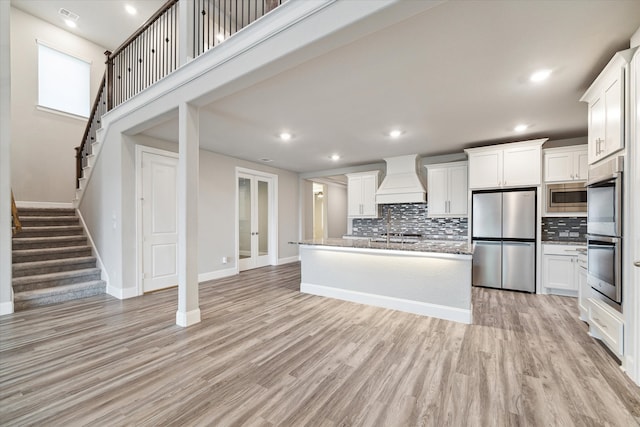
(564, 242)
(435, 246)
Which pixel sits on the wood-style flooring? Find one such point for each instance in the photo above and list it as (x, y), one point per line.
(265, 354)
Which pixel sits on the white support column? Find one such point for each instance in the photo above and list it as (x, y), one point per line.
(188, 152)
(185, 29)
(6, 293)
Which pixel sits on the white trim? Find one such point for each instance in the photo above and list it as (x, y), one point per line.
(217, 274)
(415, 307)
(139, 151)
(122, 293)
(29, 204)
(6, 308)
(103, 271)
(289, 260)
(188, 318)
(383, 251)
(61, 113)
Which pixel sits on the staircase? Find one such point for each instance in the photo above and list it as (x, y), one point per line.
(52, 260)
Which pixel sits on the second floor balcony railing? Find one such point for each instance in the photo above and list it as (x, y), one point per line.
(154, 50)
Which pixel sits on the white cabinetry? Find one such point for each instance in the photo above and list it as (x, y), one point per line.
(447, 189)
(517, 164)
(607, 98)
(566, 164)
(584, 290)
(607, 325)
(361, 194)
(560, 269)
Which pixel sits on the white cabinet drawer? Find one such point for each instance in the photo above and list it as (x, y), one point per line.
(606, 326)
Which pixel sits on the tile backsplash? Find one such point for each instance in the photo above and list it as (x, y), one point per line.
(570, 229)
(411, 218)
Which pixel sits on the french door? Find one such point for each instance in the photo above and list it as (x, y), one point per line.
(255, 211)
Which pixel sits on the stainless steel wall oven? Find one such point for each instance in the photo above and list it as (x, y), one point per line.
(604, 229)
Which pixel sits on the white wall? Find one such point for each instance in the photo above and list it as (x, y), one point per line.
(108, 207)
(43, 155)
(6, 299)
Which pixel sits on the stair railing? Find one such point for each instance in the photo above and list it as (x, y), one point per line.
(93, 124)
(17, 225)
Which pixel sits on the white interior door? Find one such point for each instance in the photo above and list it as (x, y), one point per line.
(159, 221)
(254, 222)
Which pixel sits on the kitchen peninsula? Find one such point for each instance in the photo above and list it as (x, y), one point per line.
(429, 277)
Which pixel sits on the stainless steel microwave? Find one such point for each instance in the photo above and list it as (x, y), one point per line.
(570, 197)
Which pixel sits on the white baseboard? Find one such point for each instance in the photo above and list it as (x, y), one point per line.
(103, 271)
(188, 318)
(289, 260)
(415, 307)
(6, 308)
(561, 292)
(28, 204)
(122, 293)
(217, 274)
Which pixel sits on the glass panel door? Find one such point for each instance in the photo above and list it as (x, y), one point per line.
(263, 218)
(244, 218)
(254, 221)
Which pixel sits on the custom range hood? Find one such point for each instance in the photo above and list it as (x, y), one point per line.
(402, 183)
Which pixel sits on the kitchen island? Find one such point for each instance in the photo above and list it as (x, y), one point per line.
(430, 278)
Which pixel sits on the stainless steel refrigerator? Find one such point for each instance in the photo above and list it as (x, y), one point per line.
(503, 228)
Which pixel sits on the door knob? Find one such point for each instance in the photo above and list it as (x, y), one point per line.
(637, 263)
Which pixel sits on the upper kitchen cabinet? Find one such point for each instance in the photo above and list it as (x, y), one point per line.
(566, 164)
(361, 194)
(608, 99)
(447, 189)
(517, 164)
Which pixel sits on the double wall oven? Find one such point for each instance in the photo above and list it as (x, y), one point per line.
(604, 230)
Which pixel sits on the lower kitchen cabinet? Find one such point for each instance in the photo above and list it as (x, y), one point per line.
(560, 269)
(584, 291)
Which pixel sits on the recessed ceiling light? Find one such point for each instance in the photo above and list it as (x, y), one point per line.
(395, 133)
(220, 37)
(335, 157)
(540, 75)
(70, 23)
(285, 136)
(520, 128)
(130, 9)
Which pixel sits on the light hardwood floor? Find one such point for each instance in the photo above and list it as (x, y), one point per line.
(265, 354)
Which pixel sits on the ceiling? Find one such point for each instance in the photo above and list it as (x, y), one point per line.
(104, 22)
(452, 77)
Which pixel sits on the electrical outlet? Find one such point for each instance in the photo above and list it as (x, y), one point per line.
(574, 234)
(225, 260)
(563, 234)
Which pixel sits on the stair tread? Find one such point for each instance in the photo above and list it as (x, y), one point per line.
(36, 293)
(52, 262)
(43, 217)
(31, 228)
(48, 239)
(49, 250)
(49, 277)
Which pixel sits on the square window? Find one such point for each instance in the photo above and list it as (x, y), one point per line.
(63, 82)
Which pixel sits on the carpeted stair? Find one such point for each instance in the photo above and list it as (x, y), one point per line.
(52, 260)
